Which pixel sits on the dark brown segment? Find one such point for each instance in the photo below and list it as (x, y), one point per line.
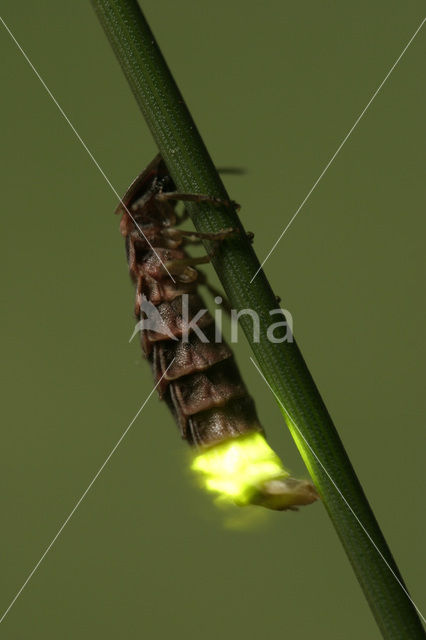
(213, 426)
(165, 290)
(141, 184)
(172, 315)
(193, 356)
(213, 388)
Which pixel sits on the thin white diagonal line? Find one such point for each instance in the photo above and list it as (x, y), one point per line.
(333, 157)
(80, 139)
(293, 422)
(83, 495)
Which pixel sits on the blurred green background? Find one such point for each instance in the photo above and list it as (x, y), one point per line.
(274, 87)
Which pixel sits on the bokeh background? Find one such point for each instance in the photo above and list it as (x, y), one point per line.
(274, 88)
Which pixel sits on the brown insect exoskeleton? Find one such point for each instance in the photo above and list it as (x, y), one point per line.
(196, 373)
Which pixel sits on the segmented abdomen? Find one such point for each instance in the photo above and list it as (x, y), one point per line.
(199, 380)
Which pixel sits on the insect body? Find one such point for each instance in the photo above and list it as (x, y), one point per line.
(196, 373)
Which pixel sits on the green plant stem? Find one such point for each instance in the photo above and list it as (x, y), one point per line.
(282, 364)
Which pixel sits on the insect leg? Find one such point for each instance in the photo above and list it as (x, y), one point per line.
(163, 196)
(196, 237)
(179, 267)
(216, 236)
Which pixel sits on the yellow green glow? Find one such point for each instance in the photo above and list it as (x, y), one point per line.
(240, 467)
